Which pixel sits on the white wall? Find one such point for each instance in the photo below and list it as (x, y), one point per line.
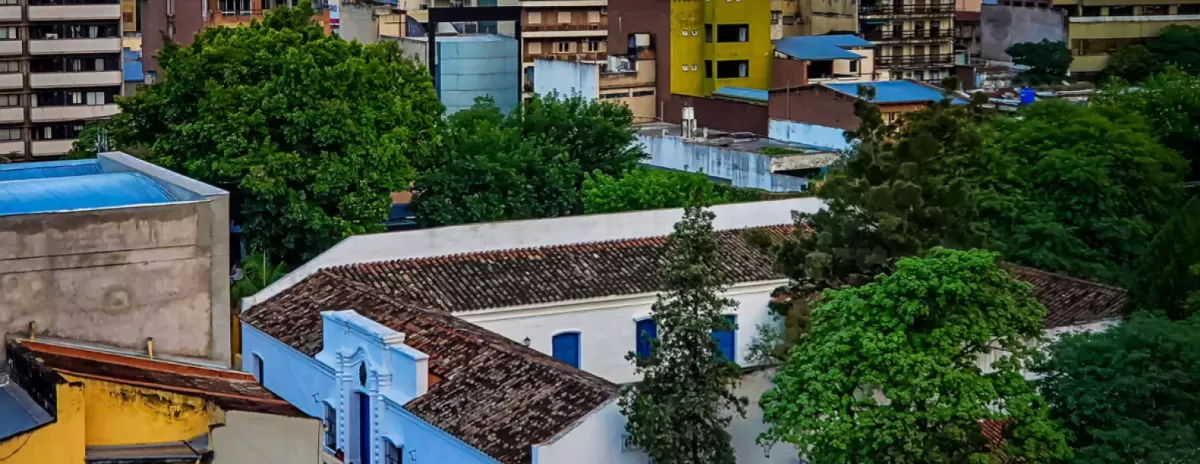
(598, 439)
(745, 431)
(566, 77)
(267, 439)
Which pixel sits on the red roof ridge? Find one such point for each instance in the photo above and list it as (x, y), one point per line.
(174, 388)
(136, 362)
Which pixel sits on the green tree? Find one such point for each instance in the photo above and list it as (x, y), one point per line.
(1129, 394)
(258, 271)
(1082, 190)
(1165, 277)
(1133, 63)
(679, 412)
(1048, 61)
(889, 372)
(646, 188)
(309, 132)
(527, 164)
(1178, 45)
(1170, 102)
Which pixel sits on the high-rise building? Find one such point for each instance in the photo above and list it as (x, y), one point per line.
(575, 30)
(60, 66)
(914, 39)
(813, 17)
(1097, 29)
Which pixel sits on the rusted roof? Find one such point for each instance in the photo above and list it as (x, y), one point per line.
(496, 279)
(496, 395)
(1070, 301)
(231, 390)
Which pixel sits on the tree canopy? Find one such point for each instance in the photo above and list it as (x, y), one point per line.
(680, 410)
(1177, 45)
(648, 188)
(310, 133)
(890, 370)
(1170, 102)
(1048, 61)
(527, 164)
(1081, 190)
(1130, 393)
(1167, 277)
(1133, 63)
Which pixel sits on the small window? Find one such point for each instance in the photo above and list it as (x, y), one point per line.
(10, 133)
(564, 47)
(391, 453)
(12, 66)
(609, 96)
(854, 66)
(733, 69)
(708, 69)
(733, 33)
(566, 348)
(534, 17)
(330, 427)
(593, 45)
(727, 340)
(646, 331)
(8, 101)
(643, 93)
(535, 48)
(708, 32)
(259, 369)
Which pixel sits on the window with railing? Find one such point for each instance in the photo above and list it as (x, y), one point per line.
(73, 2)
(75, 63)
(732, 33)
(74, 97)
(234, 7)
(58, 130)
(80, 30)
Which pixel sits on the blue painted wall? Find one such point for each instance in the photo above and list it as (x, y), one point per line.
(741, 168)
(476, 66)
(395, 374)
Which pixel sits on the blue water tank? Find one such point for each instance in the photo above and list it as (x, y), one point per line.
(1027, 96)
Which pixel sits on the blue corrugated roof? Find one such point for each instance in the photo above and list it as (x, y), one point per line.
(23, 171)
(44, 195)
(19, 413)
(820, 47)
(741, 94)
(131, 66)
(895, 91)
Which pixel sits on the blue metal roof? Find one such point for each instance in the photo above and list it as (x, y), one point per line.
(895, 91)
(23, 171)
(741, 94)
(19, 413)
(77, 192)
(131, 66)
(820, 47)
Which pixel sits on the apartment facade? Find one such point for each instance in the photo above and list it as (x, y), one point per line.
(813, 17)
(914, 39)
(1096, 29)
(574, 30)
(60, 66)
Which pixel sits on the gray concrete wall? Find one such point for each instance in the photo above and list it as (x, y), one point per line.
(741, 168)
(117, 276)
(1005, 26)
(249, 437)
(358, 22)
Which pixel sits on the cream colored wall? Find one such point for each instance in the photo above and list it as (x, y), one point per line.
(267, 439)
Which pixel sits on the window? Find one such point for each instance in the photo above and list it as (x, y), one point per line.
(534, 17)
(564, 17)
(8, 2)
(708, 69)
(593, 17)
(727, 340)
(1155, 10)
(58, 131)
(259, 369)
(708, 32)
(934, 28)
(74, 2)
(80, 30)
(535, 48)
(775, 16)
(97, 96)
(897, 30)
(608, 96)
(8, 101)
(10, 66)
(643, 93)
(854, 66)
(566, 348)
(1092, 11)
(919, 30)
(646, 331)
(76, 63)
(1120, 11)
(392, 454)
(8, 33)
(1188, 9)
(593, 45)
(10, 133)
(330, 427)
(733, 69)
(563, 47)
(733, 33)
(235, 7)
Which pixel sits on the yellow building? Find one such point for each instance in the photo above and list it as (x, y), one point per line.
(63, 405)
(719, 43)
(1096, 28)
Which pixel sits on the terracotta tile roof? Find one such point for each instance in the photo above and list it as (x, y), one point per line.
(496, 279)
(231, 390)
(1070, 301)
(496, 395)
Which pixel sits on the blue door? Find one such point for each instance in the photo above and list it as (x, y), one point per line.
(727, 340)
(646, 331)
(364, 429)
(566, 348)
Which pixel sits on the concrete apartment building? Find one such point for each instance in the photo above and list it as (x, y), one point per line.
(1096, 28)
(575, 30)
(60, 66)
(813, 17)
(915, 39)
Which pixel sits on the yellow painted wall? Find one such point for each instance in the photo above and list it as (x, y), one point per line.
(689, 49)
(61, 442)
(119, 414)
(1113, 30)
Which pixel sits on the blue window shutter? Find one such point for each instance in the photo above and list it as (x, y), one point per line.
(646, 331)
(566, 348)
(727, 340)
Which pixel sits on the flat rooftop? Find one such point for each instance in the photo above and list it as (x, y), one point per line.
(110, 181)
(743, 141)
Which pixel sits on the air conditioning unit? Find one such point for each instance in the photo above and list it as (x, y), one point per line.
(51, 36)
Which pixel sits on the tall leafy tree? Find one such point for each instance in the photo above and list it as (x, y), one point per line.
(258, 271)
(527, 164)
(1129, 394)
(1166, 276)
(1082, 189)
(890, 370)
(1178, 45)
(1170, 102)
(310, 133)
(679, 412)
(1048, 61)
(1133, 63)
(647, 188)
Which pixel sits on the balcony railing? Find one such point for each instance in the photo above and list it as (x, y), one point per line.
(902, 9)
(914, 61)
(905, 36)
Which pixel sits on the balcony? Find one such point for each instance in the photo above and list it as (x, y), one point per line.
(64, 46)
(14, 114)
(884, 37)
(11, 81)
(74, 79)
(906, 11)
(72, 112)
(10, 13)
(10, 47)
(12, 149)
(915, 61)
(51, 147)
(74, 12)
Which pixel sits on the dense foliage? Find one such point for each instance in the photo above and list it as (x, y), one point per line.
(1130, 394)
(1179, 46)
(527, 164)
(648, 188)
(310, 133)
(890, 370)
(1167, 277)
(1133, 63)
(258, 271)
(1076, 189)
(681, 409)
(1170, 102)
(1048, 61)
